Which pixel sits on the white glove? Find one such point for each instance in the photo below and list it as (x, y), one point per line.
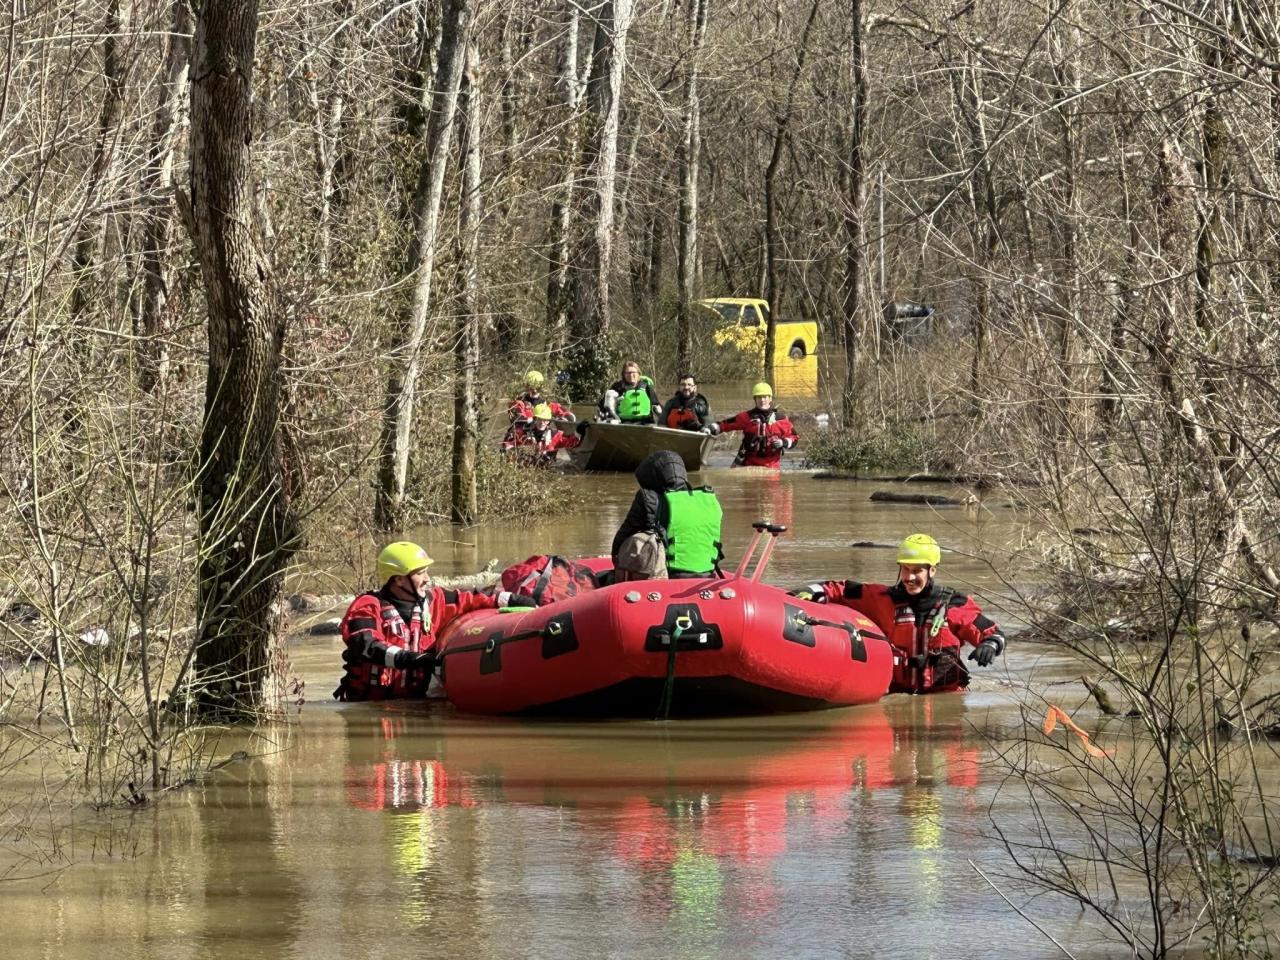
(777, 443)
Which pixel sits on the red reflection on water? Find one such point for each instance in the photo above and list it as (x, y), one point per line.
(395, 783)
(721, 790)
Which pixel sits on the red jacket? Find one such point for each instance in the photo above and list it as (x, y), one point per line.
(908, 622)
(521, 408)
(542, 444)
(374, 631)
(760, 428)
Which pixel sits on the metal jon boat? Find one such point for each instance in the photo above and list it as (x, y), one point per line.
(621, 446)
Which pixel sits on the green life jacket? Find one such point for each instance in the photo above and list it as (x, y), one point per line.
(691, 520)
(634, 403)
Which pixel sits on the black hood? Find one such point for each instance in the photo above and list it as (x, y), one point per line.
(662, 470)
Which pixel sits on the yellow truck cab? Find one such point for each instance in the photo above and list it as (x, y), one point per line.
(744, 320)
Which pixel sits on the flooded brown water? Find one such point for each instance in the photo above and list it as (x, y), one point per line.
(407, 828)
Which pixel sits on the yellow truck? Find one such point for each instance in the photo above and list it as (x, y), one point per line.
(743, 326)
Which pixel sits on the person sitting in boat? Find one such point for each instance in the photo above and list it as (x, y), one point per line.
(631, 399)
(688, 409)
(766, 431)
(390, 633)
(686, 519)
(538, 440)
(926, 622)
(521, 408)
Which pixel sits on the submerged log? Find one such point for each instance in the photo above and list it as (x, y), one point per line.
(928, 499)
(977, 481)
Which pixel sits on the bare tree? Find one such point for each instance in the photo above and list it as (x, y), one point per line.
(855, 256)
(246, 528)
(466, 413)
(592, 262)
(559, 294)
(114, 29)
(154, 314)
(405, 346)
(688, 157)
(781, 124)
(326, 124)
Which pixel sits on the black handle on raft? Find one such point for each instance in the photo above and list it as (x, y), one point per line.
(683, 623)
(857, 649)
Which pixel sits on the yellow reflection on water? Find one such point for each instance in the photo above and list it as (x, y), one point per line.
(795, 378)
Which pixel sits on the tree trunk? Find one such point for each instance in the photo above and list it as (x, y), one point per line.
(114, 28)
(246, 528)
(466, 407)
(967, 86)
(1273, 273)
(688, 159)
(1067, 77)
(593, 260)
(326, 119)
(772, 242)
(154, 311)
(854, 229)
(405, 347)
(559, 296)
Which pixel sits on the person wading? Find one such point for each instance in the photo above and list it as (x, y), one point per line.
(521, 408)
(926, 622)
(390, 633)
(766, 431)
(538, 438)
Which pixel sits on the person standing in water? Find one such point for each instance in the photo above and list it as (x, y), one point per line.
(926, 622)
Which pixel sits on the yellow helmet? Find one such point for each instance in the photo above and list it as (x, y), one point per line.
(542, 411)
(401, 559)
(919, 548)
(762, 389)
(534, 379)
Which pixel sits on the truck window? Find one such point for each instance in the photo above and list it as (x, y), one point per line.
(729, 311)
(750, 318)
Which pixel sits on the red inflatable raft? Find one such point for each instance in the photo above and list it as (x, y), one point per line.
(666, 647)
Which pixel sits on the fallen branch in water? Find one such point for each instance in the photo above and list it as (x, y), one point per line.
(977, 481)
(927, 499)
(1103, 699)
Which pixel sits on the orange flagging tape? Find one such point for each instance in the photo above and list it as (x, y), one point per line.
(1057, 713)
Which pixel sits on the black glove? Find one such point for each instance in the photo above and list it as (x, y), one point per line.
(408, 660)
(508, 599)
(985, 652)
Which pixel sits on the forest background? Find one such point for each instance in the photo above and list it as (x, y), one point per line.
(262, 263)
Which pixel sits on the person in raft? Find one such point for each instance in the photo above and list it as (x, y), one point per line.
(538, 438)
(631, 399)
(926, 622)
(688, 409)
(685, 519)
(766, 431)
(390, 633)
(521, 408)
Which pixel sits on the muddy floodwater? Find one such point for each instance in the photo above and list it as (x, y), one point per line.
(410, 830)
